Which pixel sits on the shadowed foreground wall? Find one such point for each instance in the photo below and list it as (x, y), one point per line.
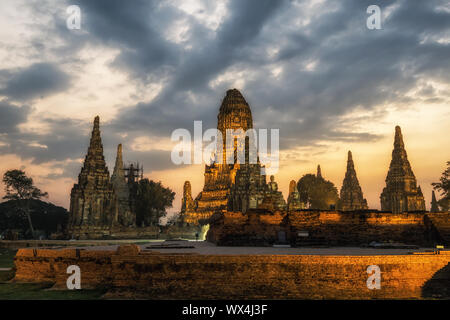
(130, 273)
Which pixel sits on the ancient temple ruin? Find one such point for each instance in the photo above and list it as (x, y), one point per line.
(273, 199)
(434, 204)
(92, 198)
(229, 186)
(123, 214)
(401, 193)
(187, 203)
(319, 172)
(98, 202)
(294, 202)
(351, 195)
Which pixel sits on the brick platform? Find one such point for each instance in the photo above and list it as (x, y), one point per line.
(132, 272)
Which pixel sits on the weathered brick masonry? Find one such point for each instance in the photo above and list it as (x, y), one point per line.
(331, 227)
(193, 276)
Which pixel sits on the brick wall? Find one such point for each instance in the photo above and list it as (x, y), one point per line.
(192, 276)
(355, 228)
(332, 227)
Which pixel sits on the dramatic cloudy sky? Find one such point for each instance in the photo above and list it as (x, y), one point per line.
(310, 68)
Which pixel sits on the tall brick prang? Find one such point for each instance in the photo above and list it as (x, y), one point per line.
(434, 204)
(234, 186)
(123, 214)
(401, 193)
(319, 172)
(351, 196)
(91, 199)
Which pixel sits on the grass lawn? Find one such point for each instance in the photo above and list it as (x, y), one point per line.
(7, 258)
(40, 291)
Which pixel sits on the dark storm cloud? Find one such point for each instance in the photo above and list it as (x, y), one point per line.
(243, 25)
(174, 107)
(136, 28)
(11, 116)
(355, 68)
(329, 65)
(65, 139)
(37, 80)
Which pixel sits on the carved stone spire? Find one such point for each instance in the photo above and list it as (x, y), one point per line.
(118, 168)
(401, 193)
(94, 162)
(292, 187)
(95, 146)
(123, 214)
(319, 172)
(351, 196)
(187, 203)
(434, 204)
(91, 197)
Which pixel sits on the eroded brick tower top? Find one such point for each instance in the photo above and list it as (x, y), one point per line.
(234, 112)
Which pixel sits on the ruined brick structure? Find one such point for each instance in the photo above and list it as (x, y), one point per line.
(319, 172)
(98, 203)
(92, 198)
(133, 173)
(248, 189)
(294, 202)
(187, 203)
(236, 186)
(401, 193)
(123, 214)
(329, 228)
(434, 204)
(273, 199)
(351, 196)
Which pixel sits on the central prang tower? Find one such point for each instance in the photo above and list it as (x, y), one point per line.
(230, 186)
(234, 114)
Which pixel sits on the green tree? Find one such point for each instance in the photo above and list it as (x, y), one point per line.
(444, 187)
(317, 192)
(19, 187)
(152, 200)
